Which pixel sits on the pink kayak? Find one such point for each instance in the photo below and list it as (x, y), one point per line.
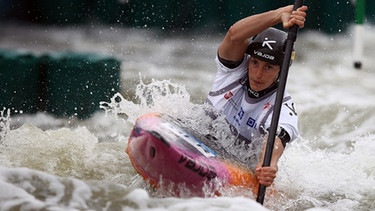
(160, 150)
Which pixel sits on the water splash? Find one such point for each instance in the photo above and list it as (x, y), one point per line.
(158, 96)
(4, 124)
(201, 120)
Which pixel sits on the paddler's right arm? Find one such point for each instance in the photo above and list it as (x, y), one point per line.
(235, 43)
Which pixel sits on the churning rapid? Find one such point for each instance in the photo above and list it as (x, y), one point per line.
(49, 163)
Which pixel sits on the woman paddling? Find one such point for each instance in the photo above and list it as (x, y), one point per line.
(248, 61)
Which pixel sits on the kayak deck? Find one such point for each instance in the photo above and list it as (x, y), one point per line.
(161, 151)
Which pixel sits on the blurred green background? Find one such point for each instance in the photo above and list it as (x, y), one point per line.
(73, 84)
(326, 16)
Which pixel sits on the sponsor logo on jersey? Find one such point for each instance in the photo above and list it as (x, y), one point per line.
(228, 95)
(251, 122)
(268, 104)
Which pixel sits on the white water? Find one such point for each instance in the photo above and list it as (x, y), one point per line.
(67, 164)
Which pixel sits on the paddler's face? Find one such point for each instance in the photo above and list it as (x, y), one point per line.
(261, 74)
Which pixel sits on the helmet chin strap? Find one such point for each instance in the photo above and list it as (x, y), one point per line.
(257, 94)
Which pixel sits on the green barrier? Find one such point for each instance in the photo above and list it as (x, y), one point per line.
(194, 14)
(61, 12)
(64, 84)
(111, 11)
(238, 9)
(329, 16)
(166, 14)
(19, 75)
(370, 12)
(326, 16)
(148, 13)
(76, 83)
(5, 9)
(319, 16)
(204, 12)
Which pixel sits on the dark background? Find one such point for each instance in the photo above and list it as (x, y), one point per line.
(212, 15)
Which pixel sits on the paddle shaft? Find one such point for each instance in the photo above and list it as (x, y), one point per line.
(292, 36)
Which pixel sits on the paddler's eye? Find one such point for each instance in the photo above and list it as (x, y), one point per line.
(270, 68)
(253, 62)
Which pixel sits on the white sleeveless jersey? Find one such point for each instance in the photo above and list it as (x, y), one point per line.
(251, 117)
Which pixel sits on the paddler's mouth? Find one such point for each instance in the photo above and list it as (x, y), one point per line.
(256, 85)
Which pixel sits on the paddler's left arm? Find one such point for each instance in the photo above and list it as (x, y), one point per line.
(266, 175)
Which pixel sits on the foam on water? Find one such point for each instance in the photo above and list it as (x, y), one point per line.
(64, 152)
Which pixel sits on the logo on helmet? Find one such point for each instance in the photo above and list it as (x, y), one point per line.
(269, 45)
(264, 55)
(268, 42)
